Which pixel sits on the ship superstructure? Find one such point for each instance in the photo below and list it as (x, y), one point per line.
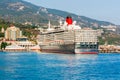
(69, 38)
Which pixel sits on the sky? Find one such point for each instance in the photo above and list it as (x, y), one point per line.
(104, 10)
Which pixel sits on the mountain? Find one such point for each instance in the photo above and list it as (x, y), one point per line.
(20, 11)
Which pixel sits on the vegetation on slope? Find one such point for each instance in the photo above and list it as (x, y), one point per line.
(110, 39)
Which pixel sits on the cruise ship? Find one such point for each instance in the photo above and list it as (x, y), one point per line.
(69, 38)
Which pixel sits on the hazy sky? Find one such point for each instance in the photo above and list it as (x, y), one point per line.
(105, 10)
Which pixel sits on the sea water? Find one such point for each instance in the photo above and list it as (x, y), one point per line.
(47, 66)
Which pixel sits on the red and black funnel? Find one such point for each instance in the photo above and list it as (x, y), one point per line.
(69, 20)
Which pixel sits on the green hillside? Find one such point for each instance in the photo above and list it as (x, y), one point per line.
(20, 11)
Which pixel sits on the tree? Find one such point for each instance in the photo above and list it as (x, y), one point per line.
(3, 45)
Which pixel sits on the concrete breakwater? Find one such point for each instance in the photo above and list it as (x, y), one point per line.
(109, 49)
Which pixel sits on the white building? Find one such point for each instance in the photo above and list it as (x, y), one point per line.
(110, 27)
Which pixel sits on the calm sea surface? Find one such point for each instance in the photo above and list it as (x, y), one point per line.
(43, 66)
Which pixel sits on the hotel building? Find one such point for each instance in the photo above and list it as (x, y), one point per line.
(12, 33)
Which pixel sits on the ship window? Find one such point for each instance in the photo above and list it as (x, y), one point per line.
(82, 46)
(86, 46)
(81, 42)
(95, 46)
(91, 46)
(77, 46)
